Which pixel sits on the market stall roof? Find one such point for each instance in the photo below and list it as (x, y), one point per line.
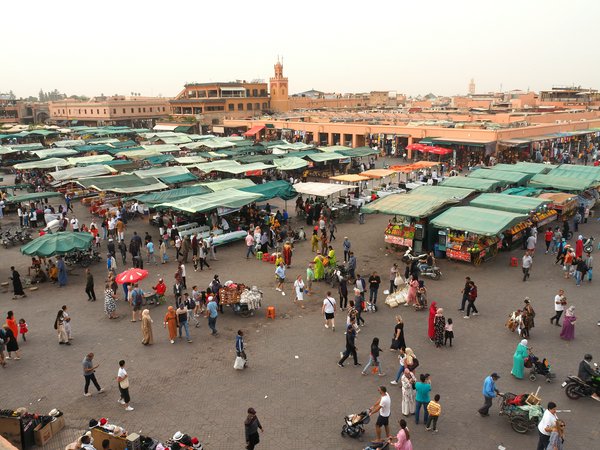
(227, 198)
(350, 178)
(558, 198)
(321, 157)
(478, 184)
(232, 183)
(43, 164)
(174, 140)
(501, 175)
(32, 196)
(291, 146)
(26, 147)
(154, 198)
(482, 221)
(531, 168)
(93, 159)
(451, 141)
(419, 165)
(54, 152)
(162, 148)
(159, 160)
(138, 154)
(334, 148)
(290, 163)
(190, 159)
(243, 168)
(522, 191)
(280, 188)
(158, 172)
(123, 184)
(57, 244)
(257, 158)
(358, 152)
(68, 143)
(8, 150)
(510, 203)
(572, 170)
(254, 130)
(82, 172)
(124, 144)
(216, 165)
(98, 148)
(442, 192)
(321, 189)
(378, 173)
(563, 183)
(406, 205)
(176, 179)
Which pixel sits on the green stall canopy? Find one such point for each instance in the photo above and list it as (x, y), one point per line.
(123, 184)
(477, 184)
(272, 189)
(32, 197)
(510, 203)
(232, 183)
(57, 244)
(532, 168)
(171, 195)
(561, 183)
(501, 175)
(227, 198)
(182, 178)
(482, 221)
(290, 163)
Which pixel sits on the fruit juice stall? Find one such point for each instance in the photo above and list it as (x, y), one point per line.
(472, 234)
(564, 204)
(536, 210)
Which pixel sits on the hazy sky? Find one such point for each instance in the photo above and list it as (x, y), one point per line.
(414, 47)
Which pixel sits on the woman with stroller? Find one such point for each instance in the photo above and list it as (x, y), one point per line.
(521, 353)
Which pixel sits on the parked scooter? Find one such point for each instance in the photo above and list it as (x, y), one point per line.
(432, 272)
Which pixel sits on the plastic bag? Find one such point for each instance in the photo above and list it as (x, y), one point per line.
(239, 363)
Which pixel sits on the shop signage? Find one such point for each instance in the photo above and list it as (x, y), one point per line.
(461, 256)
(398, 240)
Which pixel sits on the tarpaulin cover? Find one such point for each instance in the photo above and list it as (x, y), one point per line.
(358, 152)
(228, 198)
(501, 175)
(81, 172)
(44, 164)
(321, 189)
(94, 159)
(290, 163)
(161, 172)
(99, 148)
(522, 191)
(137, 154)
(227, 184)
(216, 165)
(243, 168)
(54, 152)
(272, 189)
(510, 203)
(124, 184)
(159, 159)
(349, 178)
(162, 148)
(68, 143)
(478, 184)
(563, 183)
(571, 170)
(57, 244)
(182, 178)
(190, 159)
(32, 196)
(558, 198)
(531, 168)
(171, 195)
(482, 221)
(378, 173)
(321, 157)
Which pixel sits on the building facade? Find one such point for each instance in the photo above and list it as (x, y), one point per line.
(117, 110)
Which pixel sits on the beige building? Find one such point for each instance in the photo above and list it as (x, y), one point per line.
(117, 110)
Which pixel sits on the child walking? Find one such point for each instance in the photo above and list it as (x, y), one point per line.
(434, 409)
(448, 333)
(23, 329)
(374, 359)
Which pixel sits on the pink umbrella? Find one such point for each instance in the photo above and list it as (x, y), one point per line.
(131, 276)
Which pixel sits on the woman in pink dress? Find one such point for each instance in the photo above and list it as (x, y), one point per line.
(403, 437)
(411, 297)
(568, 328)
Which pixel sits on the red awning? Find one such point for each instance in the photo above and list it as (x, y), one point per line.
(440, 150)
(417, 147)
(254, 130)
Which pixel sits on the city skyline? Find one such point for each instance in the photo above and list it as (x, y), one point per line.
(434, 48)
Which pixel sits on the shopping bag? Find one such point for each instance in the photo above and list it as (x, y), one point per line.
(239, 363)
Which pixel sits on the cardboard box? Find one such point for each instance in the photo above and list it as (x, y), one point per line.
(42, 435)
(57, 424)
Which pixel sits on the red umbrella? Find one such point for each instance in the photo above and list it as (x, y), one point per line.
(440, 150)
(417, 147)
(131, 276)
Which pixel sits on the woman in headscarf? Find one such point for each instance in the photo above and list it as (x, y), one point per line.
(439, 326)
(287, 254)
(17, 285)
(10, 340)
(110, 305)
(147, 322)
(521, 353)
(52, 272)
(170, 322)
(432, 312)
(319, 269)
(579, 246)
(568, 328)
(59, 326)
(251, 426)
(408, 393)
(62, 271)
(411, 296)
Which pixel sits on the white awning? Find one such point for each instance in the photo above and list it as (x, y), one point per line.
(320, 189)
(233, 89)
(165, 127)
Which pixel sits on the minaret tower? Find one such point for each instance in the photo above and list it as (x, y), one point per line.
(472, 87)
(278, 86)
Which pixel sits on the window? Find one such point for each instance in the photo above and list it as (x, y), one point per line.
(131, 110)
(144, 109)
(201, 94)
(163, 109)
(257, 106)
(124, 111)
(263, 92)
(247, 92)
(139, 110)
(69, 111)
(151, 109)
(98, 111)
(114, 111)
(215, 108)
(254, 92)
(213, 93)
(249, 106)
(231, 107)
(240, 106)
(79, 112)
(104, 111)
(265, 106)
(84, 111)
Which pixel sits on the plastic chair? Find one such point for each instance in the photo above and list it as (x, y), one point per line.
(271, 312)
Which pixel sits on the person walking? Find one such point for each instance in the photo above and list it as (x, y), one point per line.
(332, 230)
(299, 291)
(17, 285)
(328, 310)
(545, 426)
(280, 275)
(62, 271)
(383, 407)
(549, 239)
(521, 352)
(249, 244)
(170, 322)
(310, 277)
(471, 300)
(110, 304)
(67, 322)
(374, 359)
(59, 326)
(489, 393)
(439, 327)
(347, 245)
(240, 347)
(434, 409)
(212, 314)
(560, 302)
(342, 290)
(527, 263)
(182, 321)
(147, 337)
(10, 340)
(557, 436)
(589, 262)
(350, 346)
(123, 381)
(465, 293)
(374, 282)
(422, 388)
(568, 328)
(251, 427)
(393, 275)
(403, 441)
(408, 381)
(398, 341)
(89, 286)
(89, 374)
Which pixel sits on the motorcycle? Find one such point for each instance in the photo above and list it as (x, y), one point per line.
(410, 256)
(432, 272)
(78, 258)
(576, 388)
(588, 244)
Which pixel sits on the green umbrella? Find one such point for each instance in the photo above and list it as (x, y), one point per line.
(57, 244)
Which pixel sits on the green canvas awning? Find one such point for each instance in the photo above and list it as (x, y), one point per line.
(82, 172)
(189, 159)
(54, 153)
(155, 198)
(358, 152)
(100, 148)
(32, 196)
(159, 160)
(501, 175)
(290, 163)
(477, 184)
(137, 154)
(44, 164)
(322, 157)
(482, 221)
(124, 144)
(243, 168)
(334, 149)
(531, 168)
(227, 198)
(227, 184)
(216, 165)
(159, 172)
(280, 188)
(523, 191)
(93, 159)
(122, 184)
(572, 170)
(182, 178)
(257, 158)
(57, 244)
(560, 183)
(510, 203)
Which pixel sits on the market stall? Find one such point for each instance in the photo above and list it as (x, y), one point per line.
(471, 234)
(506, 176)
(564, 183)
(477, 184)
(564, 204)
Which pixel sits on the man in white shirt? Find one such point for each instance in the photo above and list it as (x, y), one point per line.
(560, 301)
(531, 241)
(123, 380)
(112, 223)
(384, 407)
(527, 263)
(75, 224)
(328, 310)
(545, 426)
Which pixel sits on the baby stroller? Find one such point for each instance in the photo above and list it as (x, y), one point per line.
(538, 367)
(353, 424)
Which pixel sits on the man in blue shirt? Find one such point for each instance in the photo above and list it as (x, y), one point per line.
(489, 392)
(280, 274)
(211, 312)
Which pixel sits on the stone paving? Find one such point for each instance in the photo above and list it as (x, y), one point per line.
(293, 382)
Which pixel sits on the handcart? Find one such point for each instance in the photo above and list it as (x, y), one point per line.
(523, 411)
(242, 299)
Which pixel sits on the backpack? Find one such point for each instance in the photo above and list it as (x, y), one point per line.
(136, 297)
(191, 304)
